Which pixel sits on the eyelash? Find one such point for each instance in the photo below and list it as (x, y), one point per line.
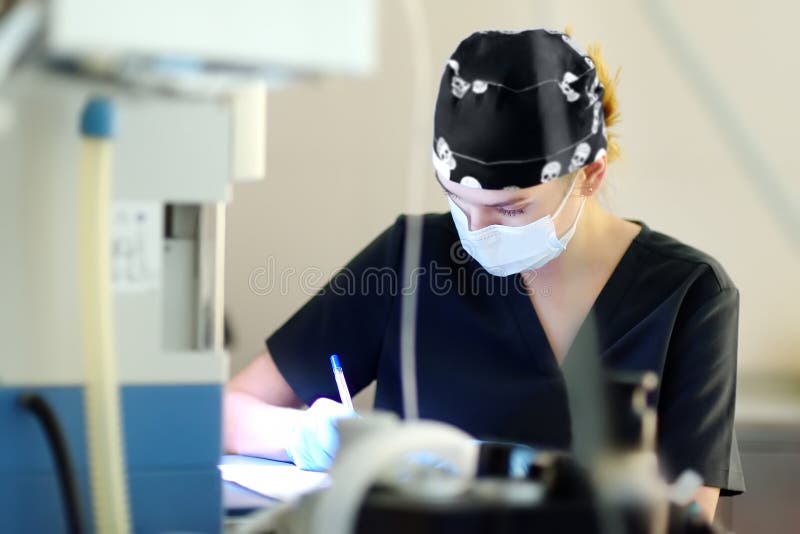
(511, 213)
(503, 211)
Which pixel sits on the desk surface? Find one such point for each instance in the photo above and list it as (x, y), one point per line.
(236, 500)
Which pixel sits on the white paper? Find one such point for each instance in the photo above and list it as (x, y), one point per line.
(281, 482)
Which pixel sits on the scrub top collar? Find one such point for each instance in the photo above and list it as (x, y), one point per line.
(604, 306)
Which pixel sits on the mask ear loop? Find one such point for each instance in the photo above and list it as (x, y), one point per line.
(564, 201)
(571, 231)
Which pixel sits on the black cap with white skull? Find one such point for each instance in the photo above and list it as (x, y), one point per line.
(516, 109)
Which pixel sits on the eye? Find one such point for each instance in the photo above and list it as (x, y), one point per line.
(511, 213)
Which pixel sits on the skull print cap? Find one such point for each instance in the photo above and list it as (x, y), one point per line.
(517, 109)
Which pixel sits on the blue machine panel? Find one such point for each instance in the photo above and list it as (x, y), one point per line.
(172, 440)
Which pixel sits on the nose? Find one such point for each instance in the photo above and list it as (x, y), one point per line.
(479, 217)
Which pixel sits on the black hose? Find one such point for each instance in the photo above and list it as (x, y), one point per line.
(39, 407)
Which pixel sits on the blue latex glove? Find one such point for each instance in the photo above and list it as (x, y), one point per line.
(314, 438)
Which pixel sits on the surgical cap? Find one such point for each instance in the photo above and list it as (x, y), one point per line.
(517, 109)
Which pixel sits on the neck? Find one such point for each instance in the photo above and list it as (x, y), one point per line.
(594, 225)
(592, 229)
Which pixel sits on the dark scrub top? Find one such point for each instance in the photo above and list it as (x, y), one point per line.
(485, 365)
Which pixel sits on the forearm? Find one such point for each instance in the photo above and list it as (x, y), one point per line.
(255, 428)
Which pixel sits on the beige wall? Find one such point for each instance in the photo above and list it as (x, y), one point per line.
(338, 156)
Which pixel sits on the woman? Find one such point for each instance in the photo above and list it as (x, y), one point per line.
(521, 147)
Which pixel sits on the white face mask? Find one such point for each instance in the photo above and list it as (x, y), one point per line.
(506, 250)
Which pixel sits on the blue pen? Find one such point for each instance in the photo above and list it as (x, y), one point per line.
(338, 374)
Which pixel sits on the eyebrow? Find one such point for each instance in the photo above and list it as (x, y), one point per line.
(511, 202)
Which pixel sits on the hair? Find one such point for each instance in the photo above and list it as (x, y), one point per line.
(610, 104)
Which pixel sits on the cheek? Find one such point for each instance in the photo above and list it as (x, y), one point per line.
(531, 213)
(482, 217)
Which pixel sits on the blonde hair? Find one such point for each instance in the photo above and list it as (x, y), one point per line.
(610, 104)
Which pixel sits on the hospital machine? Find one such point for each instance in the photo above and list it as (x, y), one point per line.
(123, 126)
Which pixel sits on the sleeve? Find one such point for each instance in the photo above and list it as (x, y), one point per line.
(698, 391)
(348, 317)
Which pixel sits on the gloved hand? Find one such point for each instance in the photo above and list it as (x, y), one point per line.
(314, 438)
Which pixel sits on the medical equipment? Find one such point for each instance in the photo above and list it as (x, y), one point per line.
(187, 85)
(425, 477)
(101, 391)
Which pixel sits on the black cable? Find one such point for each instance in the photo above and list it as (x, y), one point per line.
(58, 445)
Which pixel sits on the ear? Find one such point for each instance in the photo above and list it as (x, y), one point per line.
(593, 176)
